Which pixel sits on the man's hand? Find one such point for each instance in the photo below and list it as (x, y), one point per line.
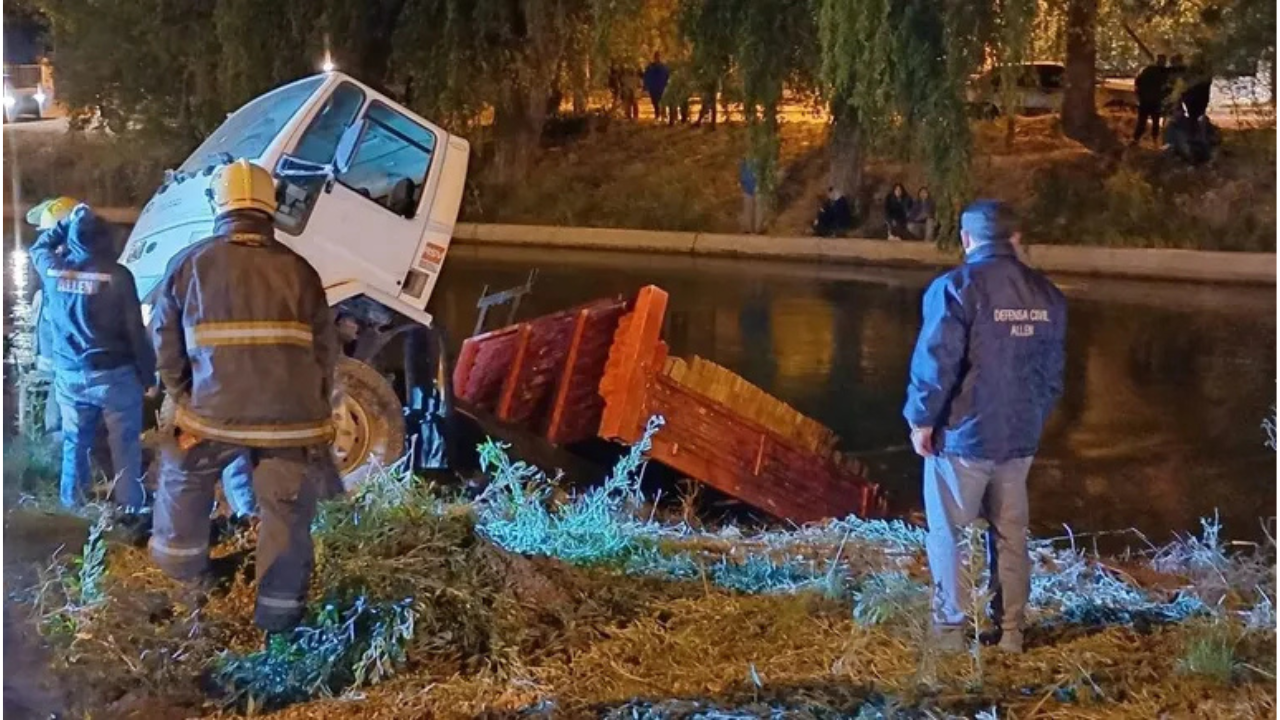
(922, 441)
(152, 392)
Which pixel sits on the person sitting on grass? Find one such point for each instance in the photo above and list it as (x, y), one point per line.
(922, 221)
(834, 216)
(897, 208)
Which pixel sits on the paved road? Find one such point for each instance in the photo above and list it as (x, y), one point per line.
(51, 125)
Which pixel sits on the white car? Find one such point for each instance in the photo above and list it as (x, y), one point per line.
(1039, 90)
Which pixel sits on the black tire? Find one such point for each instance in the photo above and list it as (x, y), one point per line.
(380, 420)
(379, 413)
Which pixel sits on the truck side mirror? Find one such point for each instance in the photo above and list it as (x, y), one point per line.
(346, 151)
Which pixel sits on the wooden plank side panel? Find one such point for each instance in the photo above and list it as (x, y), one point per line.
(710, 443)
(550, 341)
(635, 358)
(483, 366)
(579, 406)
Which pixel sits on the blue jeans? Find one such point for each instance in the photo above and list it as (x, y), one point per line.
(958, 491)
(88, 398)
(237, 485)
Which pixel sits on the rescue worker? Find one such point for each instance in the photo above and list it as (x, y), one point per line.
(247, 348)
(43, 217)
(101, 355)
(986, 372)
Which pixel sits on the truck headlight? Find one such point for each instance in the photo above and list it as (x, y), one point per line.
(39, 96)
(9, 100)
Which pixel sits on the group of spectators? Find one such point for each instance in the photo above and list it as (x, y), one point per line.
(1169, 89)
(668, 92)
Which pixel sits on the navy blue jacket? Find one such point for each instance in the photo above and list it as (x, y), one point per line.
(90, 301)
(988, 366)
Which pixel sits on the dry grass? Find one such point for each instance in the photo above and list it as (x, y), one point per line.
(817, 621)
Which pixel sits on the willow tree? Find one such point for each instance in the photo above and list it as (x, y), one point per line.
(471, 58)
(895, 74)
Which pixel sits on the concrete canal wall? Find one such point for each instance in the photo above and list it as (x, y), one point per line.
(1162, 264)
(1152, 264)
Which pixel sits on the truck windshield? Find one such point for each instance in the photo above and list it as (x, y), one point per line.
(248, 132)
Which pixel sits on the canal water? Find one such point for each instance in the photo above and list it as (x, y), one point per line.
(1166, 390)
(1167, 383)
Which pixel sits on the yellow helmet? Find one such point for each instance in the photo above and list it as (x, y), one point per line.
(48, 213)
(242, 186)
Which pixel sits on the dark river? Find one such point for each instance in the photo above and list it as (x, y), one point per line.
(1167, 384)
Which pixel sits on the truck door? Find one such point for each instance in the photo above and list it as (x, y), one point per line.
(367, 224)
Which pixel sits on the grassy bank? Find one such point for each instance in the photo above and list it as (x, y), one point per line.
(425, 604)
(612, 173)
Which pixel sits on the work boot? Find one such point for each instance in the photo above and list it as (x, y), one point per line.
(134, 527)
(1010, 642)
(948, 638)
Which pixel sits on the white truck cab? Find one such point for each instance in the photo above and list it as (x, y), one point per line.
(368, 193)
(378, 226)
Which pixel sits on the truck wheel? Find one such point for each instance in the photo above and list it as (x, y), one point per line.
(369, 420)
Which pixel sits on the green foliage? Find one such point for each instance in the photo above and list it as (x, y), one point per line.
(591, 528)
(363, 643)
(888, 597)
(92, 564)
(1210, 653)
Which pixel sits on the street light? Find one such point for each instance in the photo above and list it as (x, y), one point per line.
(328, 65)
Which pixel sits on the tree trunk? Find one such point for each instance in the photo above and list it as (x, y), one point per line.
(1080, 119)
(846, 158)
(517, 125)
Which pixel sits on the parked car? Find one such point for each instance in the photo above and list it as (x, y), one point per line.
(24, 93)
(1039, 89)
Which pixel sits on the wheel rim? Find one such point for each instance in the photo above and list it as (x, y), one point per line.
(351, 435)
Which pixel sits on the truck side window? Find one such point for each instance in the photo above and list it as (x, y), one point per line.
(391, 162)
(317, 145)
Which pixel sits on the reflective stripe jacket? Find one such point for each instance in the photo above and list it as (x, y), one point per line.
(245, 338)
(89, 317)
(988, 365)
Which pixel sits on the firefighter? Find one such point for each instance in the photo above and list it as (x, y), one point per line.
(98, 345)
(247, 348)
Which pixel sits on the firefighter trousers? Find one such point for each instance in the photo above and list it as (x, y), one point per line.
(286, 492)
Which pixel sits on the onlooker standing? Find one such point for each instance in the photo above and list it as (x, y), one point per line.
(1195, 99)
(986, 372)
(922, 222)
(630, 89)
(656, 76)
(750, 222)
(897, 208)
(1151, 86)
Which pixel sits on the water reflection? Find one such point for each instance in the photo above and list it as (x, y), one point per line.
(1165, 390)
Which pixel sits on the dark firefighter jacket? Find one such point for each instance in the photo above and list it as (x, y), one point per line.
(245, 339)
(988, 365)
(90, 318)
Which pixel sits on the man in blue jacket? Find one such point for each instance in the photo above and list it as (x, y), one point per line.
(656, 76)
(986, 372)
(101, 352)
